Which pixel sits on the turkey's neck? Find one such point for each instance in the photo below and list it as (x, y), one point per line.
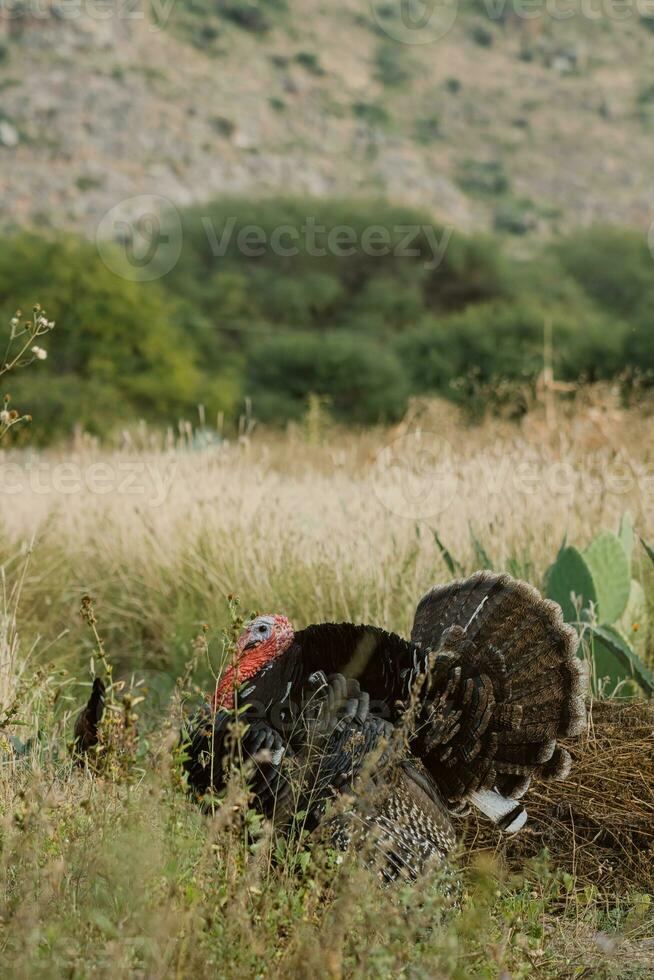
(247, 667)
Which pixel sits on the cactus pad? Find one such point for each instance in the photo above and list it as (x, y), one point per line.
(571, 574)
(611, 572)
(634, 623)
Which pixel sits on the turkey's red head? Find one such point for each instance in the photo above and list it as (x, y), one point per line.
(261, 642)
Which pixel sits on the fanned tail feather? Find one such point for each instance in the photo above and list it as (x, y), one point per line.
(505, 685)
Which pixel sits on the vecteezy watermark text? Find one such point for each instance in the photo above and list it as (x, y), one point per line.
(420, 475)
(141, 239)
(426, 21)
(594, 10)
(340, 241)
(155, 12)
(150, 483)
(415, 21)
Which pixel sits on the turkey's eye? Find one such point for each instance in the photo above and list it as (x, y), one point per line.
(262, 629)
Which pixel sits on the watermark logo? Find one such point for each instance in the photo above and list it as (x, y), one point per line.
(140, 238)
(149, 482)
(415, 476)
(154, 13)
(415, 21)
(420, 475)
(424, 242)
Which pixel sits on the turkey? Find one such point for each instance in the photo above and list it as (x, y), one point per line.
(332, 748)
(88, 720)
(476, 700)
(389, 805)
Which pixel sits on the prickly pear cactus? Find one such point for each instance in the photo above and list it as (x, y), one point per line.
(627, 535)
(610, 568)
(618, 631)
(570, 575)
(616, 661)
(633, 625)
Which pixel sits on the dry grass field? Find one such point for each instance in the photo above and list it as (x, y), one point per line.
(120, 875)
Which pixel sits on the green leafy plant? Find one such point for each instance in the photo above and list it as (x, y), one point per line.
(598, 594)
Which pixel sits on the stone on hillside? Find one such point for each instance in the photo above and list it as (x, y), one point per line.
(8, 134)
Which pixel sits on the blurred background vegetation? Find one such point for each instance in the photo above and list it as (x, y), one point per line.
(365, 332)
(527, 135)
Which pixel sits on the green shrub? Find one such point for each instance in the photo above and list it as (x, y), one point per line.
(89, 182)
(249, 16)
(472, 270)
(120, 351)
(504, 341)
(514, 218)
(60, 404)
(430, 360)
(311, 62)
(450, 307)
(639, 344)
(362, 382)
(223, 126)
(391, 65)
(386, 301)
(294, 300)
(371, 113)
(484, 177)
(320, 286)
(427, 129)
(498, 340)
(481, 35)
(196, 22)
(200, 22)
(613, 266)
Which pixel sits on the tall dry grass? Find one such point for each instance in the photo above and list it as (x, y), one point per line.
(125, 878)
(331, 527)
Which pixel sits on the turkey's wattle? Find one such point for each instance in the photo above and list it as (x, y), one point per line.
(261, 642)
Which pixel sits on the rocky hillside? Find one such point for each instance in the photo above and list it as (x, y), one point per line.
(520, 124)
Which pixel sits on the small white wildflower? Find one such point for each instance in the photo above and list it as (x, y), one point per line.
(39, 353)
(5, 417)
(15, 321)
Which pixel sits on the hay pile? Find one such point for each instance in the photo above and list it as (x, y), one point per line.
(599, 824)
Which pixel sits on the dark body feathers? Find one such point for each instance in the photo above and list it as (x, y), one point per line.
(332, 748)
(210, 750)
